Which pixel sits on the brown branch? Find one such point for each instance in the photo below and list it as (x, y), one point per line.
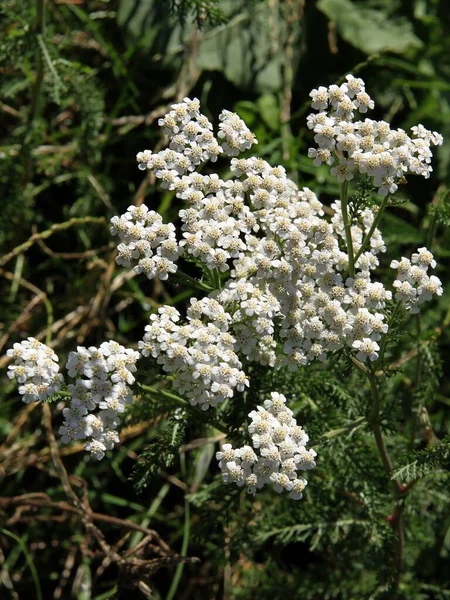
(82, 506)
(47, 233)
(73, 255)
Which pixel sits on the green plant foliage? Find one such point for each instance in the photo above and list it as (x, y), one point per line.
(425, 462)
(370, 30)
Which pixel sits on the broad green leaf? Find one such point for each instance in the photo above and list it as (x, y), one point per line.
(369, 30)
(242, 48)
(269, 110)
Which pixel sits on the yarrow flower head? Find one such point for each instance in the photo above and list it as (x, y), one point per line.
(146, 241)
(279, 293)
(199, 354)
(287, 300)
(278, 454)
(99, 395)
(413, 284)
(369, 147)
(36, 370)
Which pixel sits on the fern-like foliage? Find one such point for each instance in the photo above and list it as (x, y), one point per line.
(162, 452)
(440, 210)
(425, 461)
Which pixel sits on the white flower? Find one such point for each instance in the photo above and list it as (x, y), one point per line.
(278, 452)
(344, 170)
(36, 369)
(298, 485)
(319, 98)
(367, 349)
(376, 150)
(423, 258)
(103, 375)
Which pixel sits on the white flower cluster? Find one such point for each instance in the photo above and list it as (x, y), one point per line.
(199, 354)
(287, 300)
(36, 369)
(368, 147)
(99, 395)
(278, 453)
(192, 142)
(234, 133)
(147, 241)
(413, 285)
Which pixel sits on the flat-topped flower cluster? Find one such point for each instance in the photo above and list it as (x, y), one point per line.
(413, 285)
(277, 455)
(35, 369)
(99, 395)
(199, 354)
(285, 296)
(368, 147)
(288, 285)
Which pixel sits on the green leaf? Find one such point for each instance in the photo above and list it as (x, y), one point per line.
(371, 31)
(242, 49)
(269, 111)
(425, 461)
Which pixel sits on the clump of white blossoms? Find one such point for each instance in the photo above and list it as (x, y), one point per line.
(288, 299)
(413, 285)
(278, 454)
(147, 241)
(199, 354)
(99, 395)
(36, 370)
(284, 284)
(368, 147)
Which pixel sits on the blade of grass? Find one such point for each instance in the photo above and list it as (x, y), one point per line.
(29, 560)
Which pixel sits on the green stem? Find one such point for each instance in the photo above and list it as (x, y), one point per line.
(347, 229)
(375, 425)
(417, 381)
(375, 223)
(184, 404)
(217, 280)
(185, 278)
(185, 544)
(336, 432)
(418, 375)
(165, 394)
(397, 489)
(432, 230)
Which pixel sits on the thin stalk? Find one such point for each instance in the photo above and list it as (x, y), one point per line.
(375, 223)
(185, 544)
(185, 278)
(399, 526)
(336, 432)
(29, 559)
(184, 404)
(417, 379)
(165, 394)
(347, 229)
(43, 235)
(418, 375)
(432, 230)
(217, 280)
(397, 489)
(375, 425)
(439, 199)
